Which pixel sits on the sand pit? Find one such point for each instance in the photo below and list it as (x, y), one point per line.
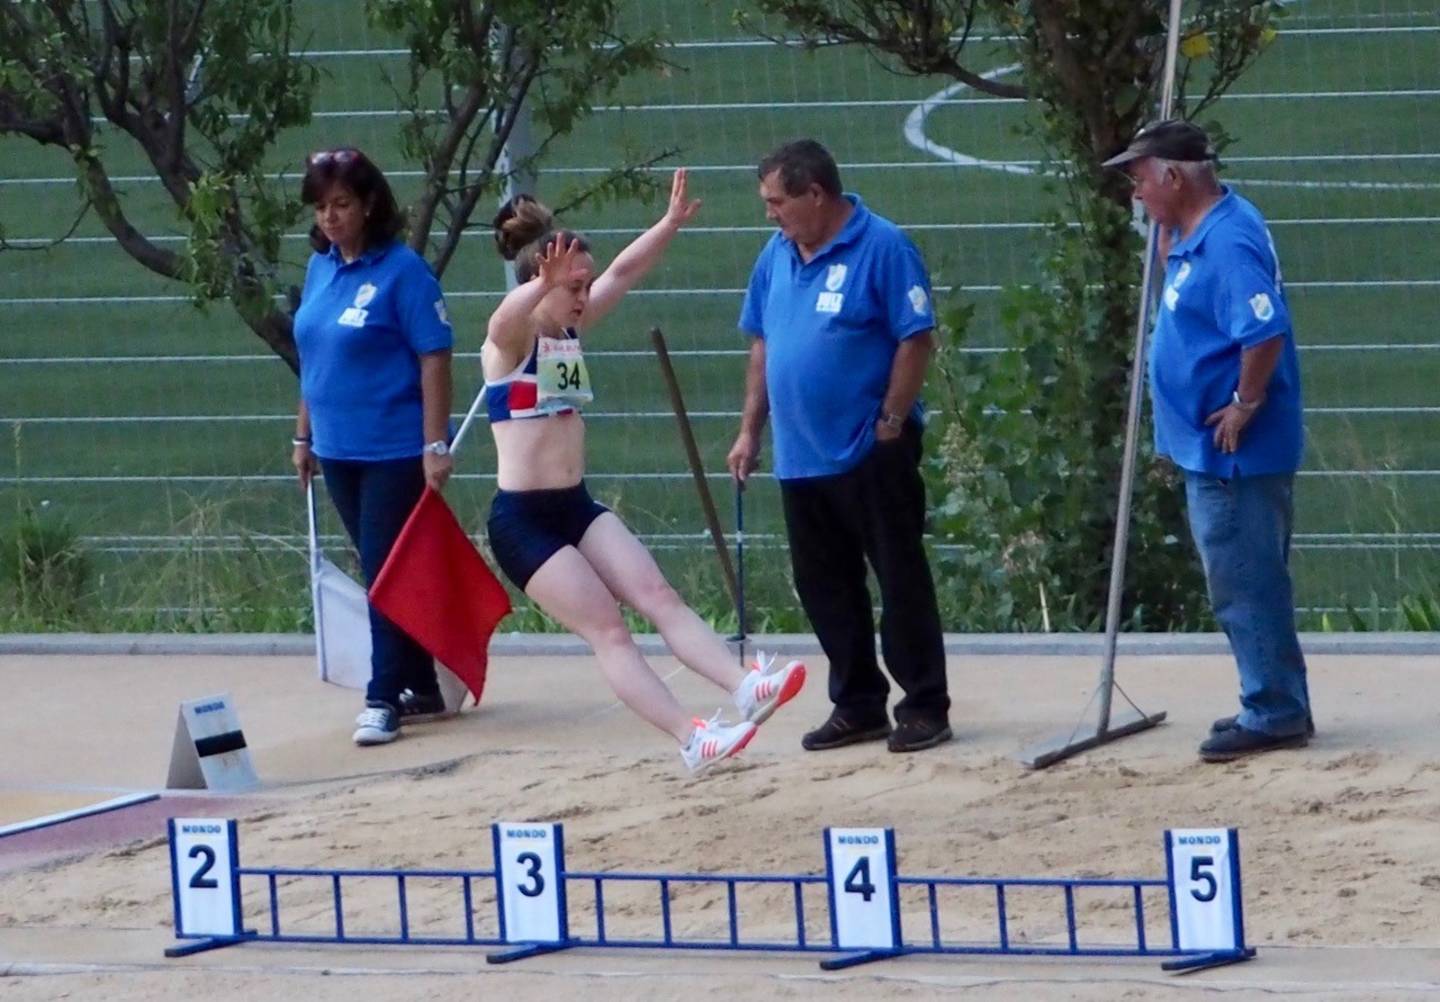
(1338, 840)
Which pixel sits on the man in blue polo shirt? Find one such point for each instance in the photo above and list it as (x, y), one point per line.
(840, 315)
(1225, 381)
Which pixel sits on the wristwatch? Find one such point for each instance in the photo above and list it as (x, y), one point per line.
(894, 421)
(1247, 408)
(438, 448)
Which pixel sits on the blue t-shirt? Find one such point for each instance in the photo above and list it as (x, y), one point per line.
(361, 329)
(1223, 294)
(831, 328)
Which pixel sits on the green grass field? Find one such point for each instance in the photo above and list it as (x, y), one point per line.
(127, 415)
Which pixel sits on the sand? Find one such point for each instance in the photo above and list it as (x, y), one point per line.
(1340, 841)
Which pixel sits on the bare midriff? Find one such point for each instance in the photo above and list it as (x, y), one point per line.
(540, 453)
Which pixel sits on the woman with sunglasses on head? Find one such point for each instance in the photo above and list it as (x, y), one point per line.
(375, 387)
(567, 552)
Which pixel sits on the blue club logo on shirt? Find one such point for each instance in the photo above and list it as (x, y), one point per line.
(1261, 306)
(832, 299)
(919, 302)
(354, 316)
(1172, 291)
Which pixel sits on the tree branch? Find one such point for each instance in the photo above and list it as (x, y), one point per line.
(174, 131)
(922, 51)
(108, 208)
(48, 245)
(50, 131)
(423, 218)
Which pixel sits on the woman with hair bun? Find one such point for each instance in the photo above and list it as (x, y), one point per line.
(571, 555)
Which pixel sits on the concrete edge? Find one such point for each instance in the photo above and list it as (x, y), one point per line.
(553, 644)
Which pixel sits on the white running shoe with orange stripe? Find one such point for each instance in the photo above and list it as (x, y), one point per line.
(713, 740)
(767, 688)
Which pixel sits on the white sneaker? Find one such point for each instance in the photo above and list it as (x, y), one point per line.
(713, 740)
(378, 724)
(767, 688)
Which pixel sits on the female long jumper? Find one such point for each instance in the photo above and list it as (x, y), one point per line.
(571, 555)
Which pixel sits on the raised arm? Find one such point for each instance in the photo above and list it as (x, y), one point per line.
(510, 328)
(636, 260)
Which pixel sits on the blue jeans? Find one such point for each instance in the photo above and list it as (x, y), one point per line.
(1242, 529)
(374, 500)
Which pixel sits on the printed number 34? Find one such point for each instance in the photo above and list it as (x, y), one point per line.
(569, 376)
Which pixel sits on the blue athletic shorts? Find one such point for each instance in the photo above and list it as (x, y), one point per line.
(527, 528)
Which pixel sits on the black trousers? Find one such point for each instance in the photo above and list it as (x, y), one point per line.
(875, 512)
(374, 500)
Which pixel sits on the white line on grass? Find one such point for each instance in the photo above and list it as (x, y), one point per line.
(171, 238)
(1407, 283)
(768, 43)
(748, 168)
(915, 135)
(289, 478)
(108, 419)
(830, 105)
(636, 354)
(1402, 283)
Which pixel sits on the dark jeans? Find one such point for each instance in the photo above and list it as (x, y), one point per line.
(876, 512)
(374, 500)
(1242, 529)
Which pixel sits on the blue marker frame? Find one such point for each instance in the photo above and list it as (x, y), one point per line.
(800, 941)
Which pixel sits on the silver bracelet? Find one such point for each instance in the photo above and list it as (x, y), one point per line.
(297, 440)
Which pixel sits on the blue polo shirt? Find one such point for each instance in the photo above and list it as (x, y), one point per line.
(1223, 294)
(361, 329)
(831, 328)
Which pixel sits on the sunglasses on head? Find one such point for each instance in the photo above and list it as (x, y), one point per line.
(343, 155)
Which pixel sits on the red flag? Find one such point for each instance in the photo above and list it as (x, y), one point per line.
(436, 587)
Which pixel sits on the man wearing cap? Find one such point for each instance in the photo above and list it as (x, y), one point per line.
(1225, 381)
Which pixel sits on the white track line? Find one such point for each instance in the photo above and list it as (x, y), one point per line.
(914, 132)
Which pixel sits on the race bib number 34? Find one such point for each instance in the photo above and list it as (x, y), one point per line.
(561, 379)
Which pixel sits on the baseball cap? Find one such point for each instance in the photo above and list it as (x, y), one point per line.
(1172, 139)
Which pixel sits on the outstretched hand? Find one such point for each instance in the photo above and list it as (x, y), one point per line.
(554, 265)
(681, 209)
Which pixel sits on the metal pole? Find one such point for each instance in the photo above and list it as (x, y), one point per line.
(469, 420)
(742, 629)
(1132, 425)
(317, 602)
(514, 162)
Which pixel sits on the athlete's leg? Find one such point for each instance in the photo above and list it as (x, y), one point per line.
(568, 588)
(631, 575)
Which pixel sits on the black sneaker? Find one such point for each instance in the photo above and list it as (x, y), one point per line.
(1227, 723)
(422, 707)
(378, 724)
(917, 735)
(1237, 742)
(837, 732)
